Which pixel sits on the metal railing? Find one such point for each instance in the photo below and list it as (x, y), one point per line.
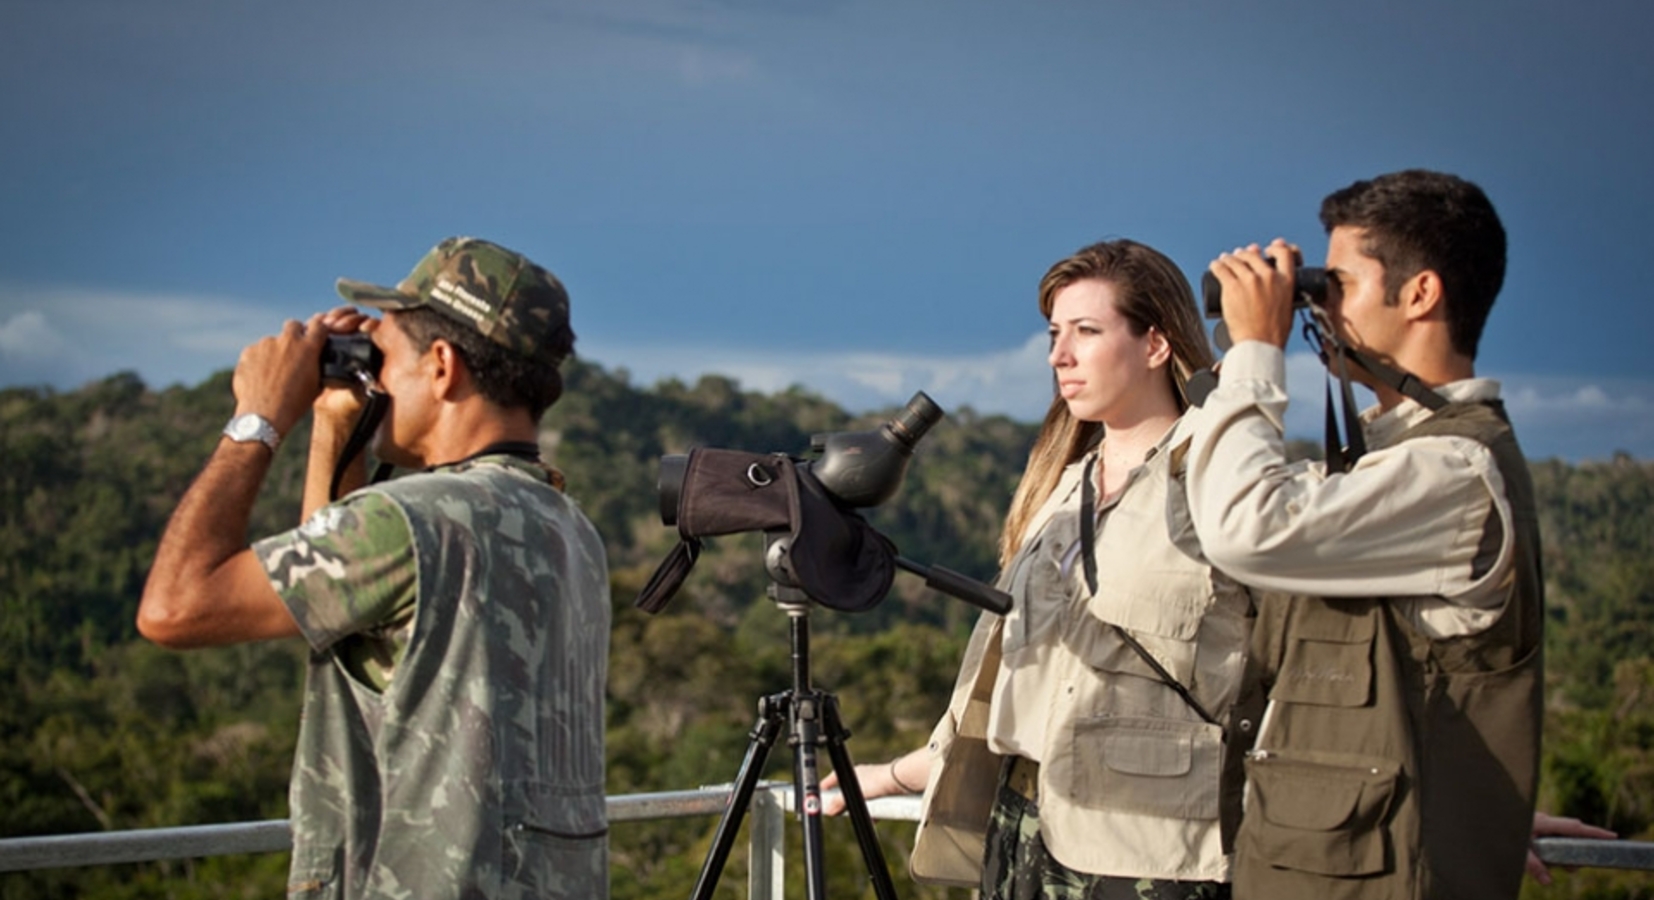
(1592, 853)
(766, 828)
(766, 821)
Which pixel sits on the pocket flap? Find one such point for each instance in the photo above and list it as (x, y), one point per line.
(1322, 816)
(1139, 751)
(1313, 804)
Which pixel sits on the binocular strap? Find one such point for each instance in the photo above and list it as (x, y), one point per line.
(373, 411)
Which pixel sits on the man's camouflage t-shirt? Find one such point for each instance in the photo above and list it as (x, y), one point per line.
(349, 578)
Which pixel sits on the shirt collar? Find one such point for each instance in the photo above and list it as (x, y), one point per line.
(1384, 427)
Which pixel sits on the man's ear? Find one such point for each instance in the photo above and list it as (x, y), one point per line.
(447, 369)
(1423, 296)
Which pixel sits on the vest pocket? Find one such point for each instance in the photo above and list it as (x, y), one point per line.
(1324, 815)
(555, 841)
(1148, 766)
(1327, 665)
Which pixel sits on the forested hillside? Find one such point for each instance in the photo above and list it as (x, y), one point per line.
(100, 730)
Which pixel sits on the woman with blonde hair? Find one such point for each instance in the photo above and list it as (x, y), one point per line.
(1082, 753)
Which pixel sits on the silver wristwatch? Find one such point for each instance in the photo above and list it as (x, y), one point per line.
(253, 427)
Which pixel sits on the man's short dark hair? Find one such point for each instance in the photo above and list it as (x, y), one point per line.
(1417, 220)
(503, 376)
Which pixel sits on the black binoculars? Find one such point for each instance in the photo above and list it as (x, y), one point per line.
(348, 356)
(1309, 287)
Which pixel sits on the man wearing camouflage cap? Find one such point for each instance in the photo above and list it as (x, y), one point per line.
(452, 736)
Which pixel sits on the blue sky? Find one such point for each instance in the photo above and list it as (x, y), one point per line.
(856, 196)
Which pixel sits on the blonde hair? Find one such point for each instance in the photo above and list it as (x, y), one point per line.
(1150, 292)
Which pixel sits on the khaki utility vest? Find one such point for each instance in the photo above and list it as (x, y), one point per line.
(1391, 764)
(1131, 780)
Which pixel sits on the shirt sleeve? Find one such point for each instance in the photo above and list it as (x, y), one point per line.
(349, 568)
(1406, 521)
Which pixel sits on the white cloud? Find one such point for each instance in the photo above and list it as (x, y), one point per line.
(1581, 418)
(28, 336)
(1014, 382)
(68, 336)
(1554, 399)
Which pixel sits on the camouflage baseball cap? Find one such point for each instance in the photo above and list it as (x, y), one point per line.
(503, 295)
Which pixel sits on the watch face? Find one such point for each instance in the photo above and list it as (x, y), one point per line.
(249, 427)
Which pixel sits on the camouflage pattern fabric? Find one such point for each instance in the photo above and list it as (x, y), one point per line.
(367, 620)
(467, 760)
(1017, 865)
(499, 292)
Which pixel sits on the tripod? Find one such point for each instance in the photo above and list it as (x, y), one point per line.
(811, 719)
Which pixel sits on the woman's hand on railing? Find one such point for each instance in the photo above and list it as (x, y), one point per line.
(903, 775)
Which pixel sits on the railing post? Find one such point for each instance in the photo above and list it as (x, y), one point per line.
(766, 856)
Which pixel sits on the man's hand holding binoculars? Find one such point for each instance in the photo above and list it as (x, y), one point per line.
(339, 403)
(1258, 291)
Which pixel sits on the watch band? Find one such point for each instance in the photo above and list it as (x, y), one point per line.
(253, 427)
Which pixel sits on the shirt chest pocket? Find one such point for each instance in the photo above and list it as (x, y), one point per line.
(1143, 582)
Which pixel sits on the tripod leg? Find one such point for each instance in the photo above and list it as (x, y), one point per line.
(772, 712)
(807, 779)
(854, 803)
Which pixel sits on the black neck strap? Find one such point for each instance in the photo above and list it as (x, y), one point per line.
(373, 410)
(1088, 556)
(524, 450)
(1341, 455)
(1337, 355)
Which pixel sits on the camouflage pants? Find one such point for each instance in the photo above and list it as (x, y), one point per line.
(1018, 867)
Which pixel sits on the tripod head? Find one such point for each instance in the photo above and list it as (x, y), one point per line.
(817, 541)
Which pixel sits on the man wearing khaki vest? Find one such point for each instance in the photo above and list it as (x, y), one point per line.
(1399, 751)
